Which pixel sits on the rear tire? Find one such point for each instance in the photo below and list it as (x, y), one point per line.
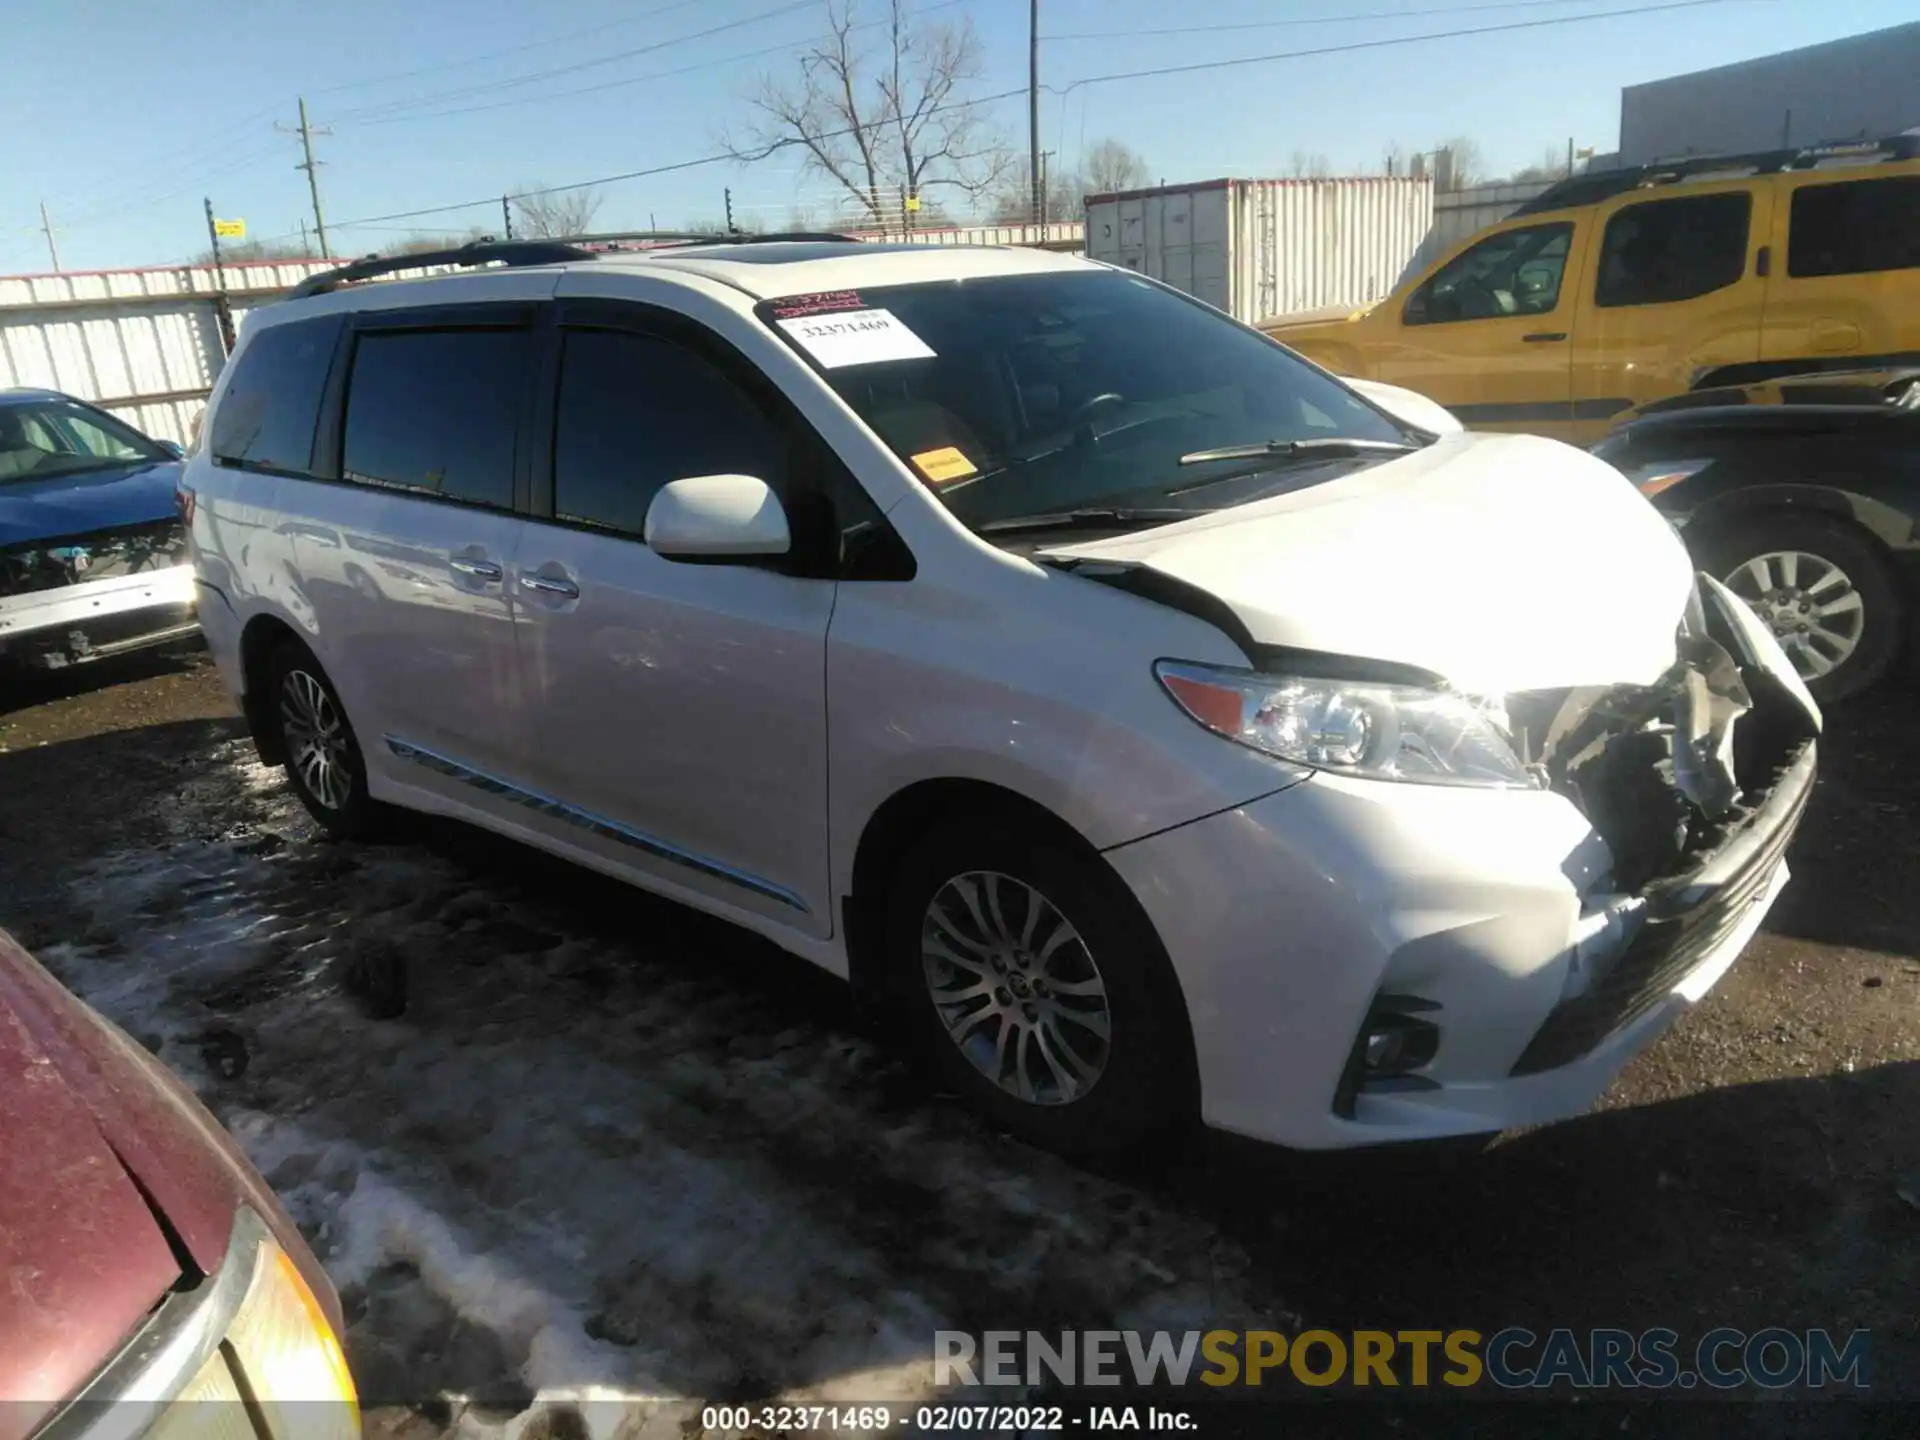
(1028, 977)
(324, 761)
(1824, 586)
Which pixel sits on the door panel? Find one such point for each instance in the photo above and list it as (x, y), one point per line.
(686, 705)
(678, 709)
(1845, 282)
(409, 555)
(1488, 335)
(414, 619)
(1671, 290)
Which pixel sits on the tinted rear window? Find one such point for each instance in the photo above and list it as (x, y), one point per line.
(1855, 228)
(437, 411)
(266, 418)
(1662, 251)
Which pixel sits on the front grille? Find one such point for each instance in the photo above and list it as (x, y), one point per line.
(76, 560)
(1686, 918)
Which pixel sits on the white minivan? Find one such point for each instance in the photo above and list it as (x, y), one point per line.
(1154, 727)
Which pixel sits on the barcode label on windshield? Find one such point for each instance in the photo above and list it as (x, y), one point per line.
(856, 337)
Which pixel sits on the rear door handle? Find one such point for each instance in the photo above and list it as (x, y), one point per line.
(477, 569)
(1542, 337)
(551, 585)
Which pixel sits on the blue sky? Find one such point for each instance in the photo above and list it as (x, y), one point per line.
(122, 115)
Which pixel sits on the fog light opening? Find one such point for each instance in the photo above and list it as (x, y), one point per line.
(1392, 1044)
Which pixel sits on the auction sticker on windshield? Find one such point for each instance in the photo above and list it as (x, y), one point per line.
(855, 337)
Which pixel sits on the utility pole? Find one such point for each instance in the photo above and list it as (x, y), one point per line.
(222, 307)
(46, 229)
(728, 194)
(306, 132)
(1033, 103)
(506, 215)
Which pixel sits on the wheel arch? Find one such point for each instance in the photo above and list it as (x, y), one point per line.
(913, 810)
(1888, 528)
(259, 638)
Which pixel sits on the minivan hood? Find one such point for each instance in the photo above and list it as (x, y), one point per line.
(1500, 562)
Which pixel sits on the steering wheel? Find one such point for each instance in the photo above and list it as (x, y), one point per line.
(1081, 420)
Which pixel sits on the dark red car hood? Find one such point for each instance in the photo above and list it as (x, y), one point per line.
(114, 1183)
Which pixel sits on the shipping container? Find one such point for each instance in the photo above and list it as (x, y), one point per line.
(1259, 248)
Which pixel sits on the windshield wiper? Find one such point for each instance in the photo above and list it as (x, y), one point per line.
(1328, 445)
(1102, 518)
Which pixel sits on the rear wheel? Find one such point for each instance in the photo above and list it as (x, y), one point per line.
(324, 761)
(1829, 594)
(1028, 976)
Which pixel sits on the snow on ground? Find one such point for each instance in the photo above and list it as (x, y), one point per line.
(610, 1149)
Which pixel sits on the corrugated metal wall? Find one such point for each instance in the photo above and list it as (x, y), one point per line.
(143, 344)
(1257, 248)
(1458, 214)
(1308, 243)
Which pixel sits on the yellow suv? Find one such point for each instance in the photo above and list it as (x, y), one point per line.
(1623, 287)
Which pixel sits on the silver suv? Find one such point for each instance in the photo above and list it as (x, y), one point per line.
(1155, 725)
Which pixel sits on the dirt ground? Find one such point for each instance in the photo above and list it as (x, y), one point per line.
(1746, 1171)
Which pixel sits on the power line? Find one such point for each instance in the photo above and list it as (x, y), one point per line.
(535, 76)
(1381, 44)
(510, 50)
(1299, 20)
(772, 148)
(785, 47)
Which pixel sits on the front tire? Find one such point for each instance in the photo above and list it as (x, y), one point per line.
(324, 762)
(1829, 594)
(1029, 978)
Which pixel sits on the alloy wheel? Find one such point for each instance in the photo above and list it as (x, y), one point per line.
(1810, 603)
(317, 743)
(1016, 987)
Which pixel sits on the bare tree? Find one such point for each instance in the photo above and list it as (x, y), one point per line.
(1110, 165)
(1552, 165)
(1394, 159)
(1012, 200)
(1309, 165)
(1469, 169)
(552, 214)
(887, 124)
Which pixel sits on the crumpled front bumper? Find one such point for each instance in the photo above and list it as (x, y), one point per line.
(97, 618)
(1299, 923)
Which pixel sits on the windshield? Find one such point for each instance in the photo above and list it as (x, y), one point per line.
(42, 438)
(1032, 395)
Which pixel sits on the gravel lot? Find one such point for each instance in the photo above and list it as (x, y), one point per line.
(611, 1142)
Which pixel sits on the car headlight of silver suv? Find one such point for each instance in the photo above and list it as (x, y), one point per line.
(1378, 731)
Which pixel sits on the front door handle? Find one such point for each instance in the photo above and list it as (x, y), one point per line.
(476, 569)
(1542, 337)
(551, 585)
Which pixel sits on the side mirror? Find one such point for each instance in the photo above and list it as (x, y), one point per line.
(174, 452)
(717, 517)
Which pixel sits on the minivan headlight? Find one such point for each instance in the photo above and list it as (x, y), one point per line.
(1379, 731)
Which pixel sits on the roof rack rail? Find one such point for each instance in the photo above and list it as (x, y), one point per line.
(485, 251)
(713, 237)
(489, 251)
(1605, 184)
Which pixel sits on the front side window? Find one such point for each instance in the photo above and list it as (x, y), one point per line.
(1855, 228)
(1662, 251)
(437, 411)
(39, 439)
(636, 412)
(1517, 272)
(1015, 396)
(266, 417)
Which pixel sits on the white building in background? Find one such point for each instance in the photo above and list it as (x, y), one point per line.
(1863, 87)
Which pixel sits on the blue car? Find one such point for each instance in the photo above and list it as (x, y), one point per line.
(93, 558)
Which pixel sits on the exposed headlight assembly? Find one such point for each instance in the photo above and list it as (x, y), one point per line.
(1378, 731)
